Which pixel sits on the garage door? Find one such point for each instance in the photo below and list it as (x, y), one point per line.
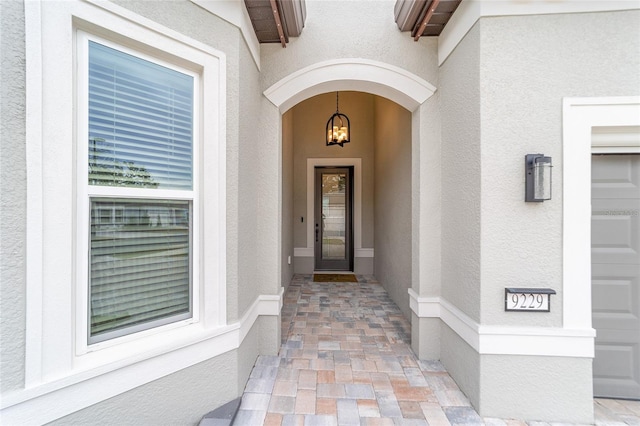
(615, 257)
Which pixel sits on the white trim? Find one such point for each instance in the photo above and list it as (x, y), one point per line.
(470, 11)
(364, 252)
(621, 139)
(364, 75)
(34, 231)
(505, 340)
(308, 252)
(235, 13)
(303, 252)
(580, 116)
(356, 163)
(52, 367)
(58, 398)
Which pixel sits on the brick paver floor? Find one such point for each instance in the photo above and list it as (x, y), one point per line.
(346, 359)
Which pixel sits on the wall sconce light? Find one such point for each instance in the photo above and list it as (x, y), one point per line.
(538, 178)
(338, 128)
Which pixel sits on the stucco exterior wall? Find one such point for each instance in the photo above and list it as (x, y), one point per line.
(459, 94)
(501, 94)
(528, 64)
(347, 37)
(13, 200)
(184, 396)
(393, 237)
(512, 385)
(180, 398)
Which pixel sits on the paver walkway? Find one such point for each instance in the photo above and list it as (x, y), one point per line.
(346, 359)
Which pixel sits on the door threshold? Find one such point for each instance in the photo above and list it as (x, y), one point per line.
(333, 272)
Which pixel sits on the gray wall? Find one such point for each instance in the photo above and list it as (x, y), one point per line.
(549, 57)
(287, 198)
(182, 397)
(501, 94)
(392, 263)
(356, 34)
(459, 91)
(13, 199)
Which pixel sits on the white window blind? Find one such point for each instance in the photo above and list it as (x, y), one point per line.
(140, 122)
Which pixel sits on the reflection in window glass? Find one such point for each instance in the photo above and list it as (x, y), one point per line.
(140, 122)
(139, 264)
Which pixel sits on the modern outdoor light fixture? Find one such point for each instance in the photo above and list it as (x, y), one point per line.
(338, 128)
(538, 177)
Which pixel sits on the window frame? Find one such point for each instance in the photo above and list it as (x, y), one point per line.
(59, 377)
(85, 193)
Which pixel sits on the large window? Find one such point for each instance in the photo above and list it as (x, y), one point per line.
(140, 190)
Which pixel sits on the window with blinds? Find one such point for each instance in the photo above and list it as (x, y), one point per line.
(140, 145)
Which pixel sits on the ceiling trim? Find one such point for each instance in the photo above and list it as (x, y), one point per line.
(379, 78)
(470, 11)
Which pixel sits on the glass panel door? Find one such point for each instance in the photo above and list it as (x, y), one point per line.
(333, 245)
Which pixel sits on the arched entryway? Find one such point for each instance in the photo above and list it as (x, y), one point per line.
(412, 93)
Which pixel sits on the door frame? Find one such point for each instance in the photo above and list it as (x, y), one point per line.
(319, 231)
(580, 115)
(356, 163)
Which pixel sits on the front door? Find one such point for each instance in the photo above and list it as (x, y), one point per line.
(333, 219)
(615, 274)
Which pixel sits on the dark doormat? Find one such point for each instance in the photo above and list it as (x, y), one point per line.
(334, 278)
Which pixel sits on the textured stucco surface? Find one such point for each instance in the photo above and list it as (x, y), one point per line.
(461, 192)
(463, 364)
(554, 389)
(356, 34)
(528, 64)
(13, 200)
(392, 262)
(181, 398)
(184, 396)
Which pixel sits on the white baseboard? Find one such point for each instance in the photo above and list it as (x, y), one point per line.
(506, 340)
(65, 395)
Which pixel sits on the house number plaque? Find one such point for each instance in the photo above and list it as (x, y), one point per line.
(528, 299)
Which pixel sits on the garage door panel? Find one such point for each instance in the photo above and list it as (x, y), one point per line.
(615, 176)
(616, 296)
(615, 231)
(615, 275)
(616, 369)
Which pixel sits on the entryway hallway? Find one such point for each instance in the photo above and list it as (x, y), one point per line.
(346, 359)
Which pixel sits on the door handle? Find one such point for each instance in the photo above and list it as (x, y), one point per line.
(317, 231)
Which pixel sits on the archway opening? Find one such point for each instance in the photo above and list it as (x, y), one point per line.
(380, 155)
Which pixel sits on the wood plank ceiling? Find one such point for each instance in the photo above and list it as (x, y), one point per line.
(274, 21)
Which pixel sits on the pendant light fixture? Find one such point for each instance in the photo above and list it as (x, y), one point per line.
(338, 128)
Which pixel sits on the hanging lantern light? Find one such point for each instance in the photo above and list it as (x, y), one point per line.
(338, 128)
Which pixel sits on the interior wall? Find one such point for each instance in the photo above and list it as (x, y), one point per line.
(309, 126)
(287, 198)
(393, 236)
